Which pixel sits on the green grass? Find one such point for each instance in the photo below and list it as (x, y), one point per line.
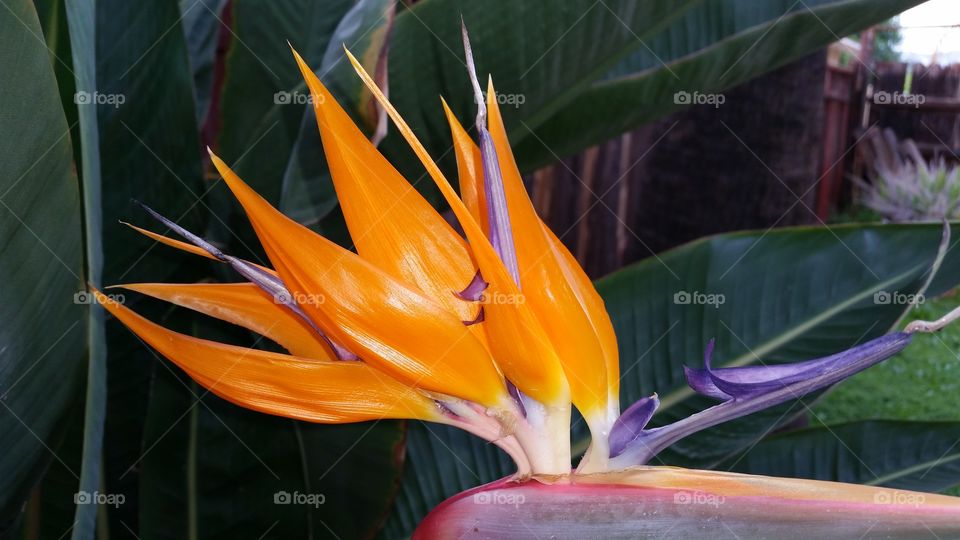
(921, 383)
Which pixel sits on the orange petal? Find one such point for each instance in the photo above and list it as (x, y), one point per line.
(384, 321)
(391, 224)
(247, 305)
(596, 311)
(517, 340)
(189, 248)
(470, 170)
(177, 244)
(312, 390)
(559, 292)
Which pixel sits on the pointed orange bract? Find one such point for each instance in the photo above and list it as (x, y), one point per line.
(597, 313)
(596, 385)
(247, 305)
(384, 321)
(518, 342)
(311, 390)
(177, 244)
(554, 288)
(469, 169)
(190, 248)
(390, 223)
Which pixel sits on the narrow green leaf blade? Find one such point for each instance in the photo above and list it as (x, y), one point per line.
(130, 69)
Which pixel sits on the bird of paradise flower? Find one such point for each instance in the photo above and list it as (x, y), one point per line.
(497, 332)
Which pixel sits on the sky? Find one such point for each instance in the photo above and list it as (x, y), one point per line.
(919, 44)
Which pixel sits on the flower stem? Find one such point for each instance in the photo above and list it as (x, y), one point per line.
(545, 436)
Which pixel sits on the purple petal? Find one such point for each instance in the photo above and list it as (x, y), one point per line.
(700, 380)
(630, 424)
(724, 383)
(474, 290)
(702, 383)
(501, 233)
(477, 319)
(757, 388)
(189, 236)
(270, 283)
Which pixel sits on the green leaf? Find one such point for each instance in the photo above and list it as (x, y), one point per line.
(53, 19)
(42, 338)
(540, 55)
(130, 70)
(920, 456)
(50, 509)
(80, 19)
(550, 62)
(201, 26)
(716, 45)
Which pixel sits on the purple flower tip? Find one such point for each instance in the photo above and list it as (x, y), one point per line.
(477, 319)
(268, 282)
(474, 290)
(628, 427)
(748, 389)
(747, 381)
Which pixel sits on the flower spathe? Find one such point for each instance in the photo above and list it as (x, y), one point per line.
(668, 502)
